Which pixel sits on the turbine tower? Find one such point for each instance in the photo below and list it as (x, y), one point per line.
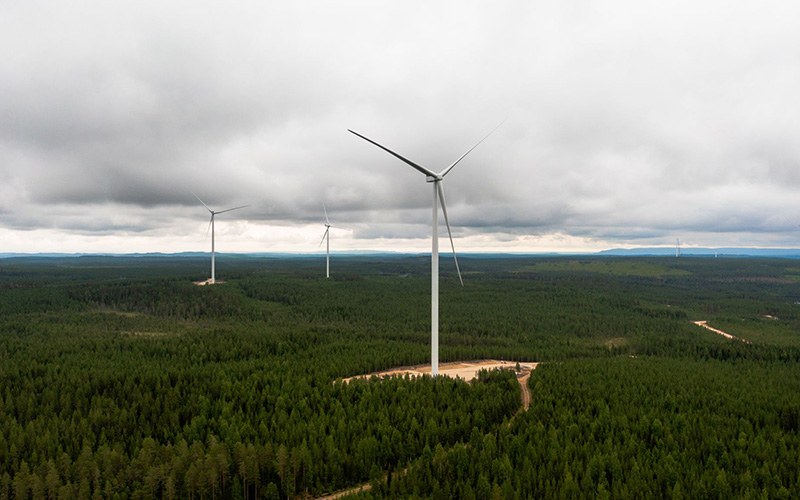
(211, 225)
(677, 247)
(438, 197)
(327, 238)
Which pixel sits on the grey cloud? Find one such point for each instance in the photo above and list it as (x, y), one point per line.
(627, 122)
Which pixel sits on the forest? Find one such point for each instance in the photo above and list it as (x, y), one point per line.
(119, 378)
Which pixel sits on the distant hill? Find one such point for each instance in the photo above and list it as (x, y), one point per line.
(160, 255)
(57, 255)
(788, 253)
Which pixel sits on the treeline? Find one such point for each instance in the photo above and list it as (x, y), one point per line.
(181, 433)
(624, 427)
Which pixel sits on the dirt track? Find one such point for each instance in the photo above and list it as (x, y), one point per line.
(466, 370)
(727, 335)
(525, 391)
(347, 492)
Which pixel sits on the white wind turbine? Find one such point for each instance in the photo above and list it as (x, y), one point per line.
(211, 225)
(327, 238)
(438, 197)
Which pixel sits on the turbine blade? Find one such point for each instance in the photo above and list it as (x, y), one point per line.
(447, 222)
(326, 214)
(231, 209)
(323, 237)
(201, 201)
(448, 169)
(405, 160)
(210, 221)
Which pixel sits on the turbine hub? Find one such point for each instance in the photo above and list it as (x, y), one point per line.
(431, 178)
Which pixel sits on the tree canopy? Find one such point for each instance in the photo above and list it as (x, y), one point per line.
(120, 378)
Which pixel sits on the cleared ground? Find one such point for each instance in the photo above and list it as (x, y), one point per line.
(465, 370)
(727, 335)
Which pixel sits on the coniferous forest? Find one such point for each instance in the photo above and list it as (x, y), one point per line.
(119, 378)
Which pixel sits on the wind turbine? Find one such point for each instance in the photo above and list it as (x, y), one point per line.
(438, 197)
(327, 238)
(211, 225)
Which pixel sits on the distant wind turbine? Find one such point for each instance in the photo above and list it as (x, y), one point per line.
(438, 197)
(211, 225)
(327, 238)
(677, 247)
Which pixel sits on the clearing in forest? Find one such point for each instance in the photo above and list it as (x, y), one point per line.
(465, 370)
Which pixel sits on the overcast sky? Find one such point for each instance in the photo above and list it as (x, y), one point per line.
(627, 123)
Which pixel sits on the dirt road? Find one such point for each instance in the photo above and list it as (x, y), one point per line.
(524, 391)
(727, 335)
(466, 371)
(347, 492)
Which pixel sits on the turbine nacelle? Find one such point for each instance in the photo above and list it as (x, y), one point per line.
(211, 227)
(438, 198)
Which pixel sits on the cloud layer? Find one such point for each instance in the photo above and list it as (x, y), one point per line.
(626, 123)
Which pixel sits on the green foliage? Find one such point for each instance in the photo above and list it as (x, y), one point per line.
(627, 267)
(648, 427)
(118, 377)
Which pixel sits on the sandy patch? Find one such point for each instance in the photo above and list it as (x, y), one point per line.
(465, 370)
(208, 282)
(727, 335)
